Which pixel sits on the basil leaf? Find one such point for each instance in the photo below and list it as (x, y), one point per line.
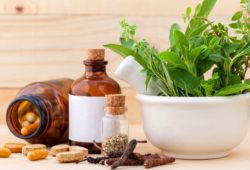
(184, 80)
(181, 41)
(173, 28)
(232, 89)
(172, 58)
(206, 8)
(237, 15)
(124, 52)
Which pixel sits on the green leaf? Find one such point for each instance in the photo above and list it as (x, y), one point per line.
(206, 7)
(232, 89)
(172, 58)
(242, 54)
(188, 11)
(209, 84)
(124, 52)
(243, 1)
(197, 31)
(233, 25)
(184, 80)
(127, 43)
(237, 15)
(181, 41)
(194, 53)
(173, 28)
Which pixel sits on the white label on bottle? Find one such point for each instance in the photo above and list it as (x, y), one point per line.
(85, 116)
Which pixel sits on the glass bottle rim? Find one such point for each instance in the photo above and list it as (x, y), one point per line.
(42, 112)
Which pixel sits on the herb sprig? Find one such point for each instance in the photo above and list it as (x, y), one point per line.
(204, 45)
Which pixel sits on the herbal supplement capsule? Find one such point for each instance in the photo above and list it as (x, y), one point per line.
(71, 156)
(25, 123)
(37, 154)
(47, 102)
(32, 147)
(27, 130)
(30, 116)
(79, 148)
(14, 147)
(5, 153)
(59, 148)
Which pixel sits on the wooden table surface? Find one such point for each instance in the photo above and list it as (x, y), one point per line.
(239, 159)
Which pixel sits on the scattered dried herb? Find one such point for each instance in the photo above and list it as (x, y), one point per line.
(127, 153)
(149, 163)
(130, 158)
(127, 162)
(95, 160)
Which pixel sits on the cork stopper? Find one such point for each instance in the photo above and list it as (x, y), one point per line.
(115, 100)
(115, 104)
(96, 54)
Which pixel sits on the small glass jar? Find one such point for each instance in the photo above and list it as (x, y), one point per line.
(115, 130)
(39, 112)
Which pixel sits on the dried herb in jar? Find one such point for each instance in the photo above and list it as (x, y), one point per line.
(116, 143)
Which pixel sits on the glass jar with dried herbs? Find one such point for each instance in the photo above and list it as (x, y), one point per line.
(115, 127)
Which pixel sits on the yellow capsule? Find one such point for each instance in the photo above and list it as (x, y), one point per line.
(5, 153)
(27, 130)
(37, 154)
(14, 147)
(30, 116)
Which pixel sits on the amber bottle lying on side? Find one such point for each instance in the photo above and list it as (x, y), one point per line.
(87, 100)
(39, 112)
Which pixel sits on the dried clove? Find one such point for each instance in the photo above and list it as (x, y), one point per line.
(127, 162)
(128, 151)
(145, 157)
(115, 154)
(149, 163)
(96, 160)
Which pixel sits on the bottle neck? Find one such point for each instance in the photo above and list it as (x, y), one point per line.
(108, 114)
(95, 68)
(15, 109)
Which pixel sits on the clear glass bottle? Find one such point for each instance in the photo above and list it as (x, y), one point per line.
(39, 112)
(87, 100)
(115, 126)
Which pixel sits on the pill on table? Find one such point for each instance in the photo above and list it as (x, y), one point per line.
(70, 156)
(79, 148)
(59, 148)
(37, 154)
(32, 147)
(14, 147)
(5, 153)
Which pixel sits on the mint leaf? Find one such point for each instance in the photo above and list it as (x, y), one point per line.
(237, 15)
(232, 89)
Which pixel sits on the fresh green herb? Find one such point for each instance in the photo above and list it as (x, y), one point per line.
(204, 45)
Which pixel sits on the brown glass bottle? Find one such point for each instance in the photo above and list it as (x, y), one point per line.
(87, 100)
(39, 112)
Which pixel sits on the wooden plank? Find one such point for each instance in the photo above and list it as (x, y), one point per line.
(109, 7)
(34, 48)
(133, 113)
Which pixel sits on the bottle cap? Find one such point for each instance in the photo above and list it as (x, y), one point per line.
(115, 110)
(115, 100)
(96, 54)
(115, 104)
